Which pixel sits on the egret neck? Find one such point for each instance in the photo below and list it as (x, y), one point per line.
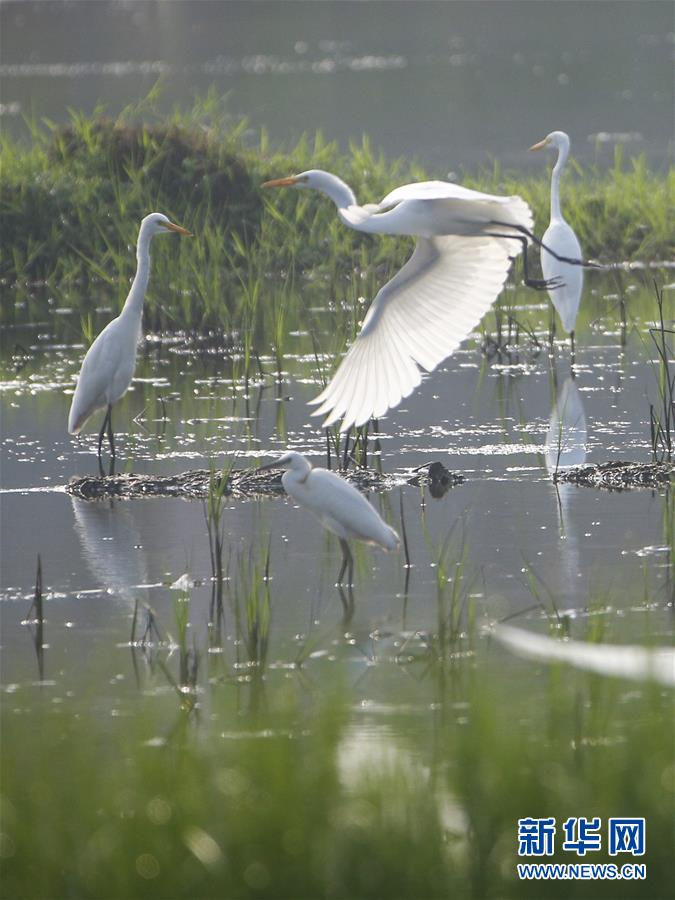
(299, 469)
(133, 306)
(336, 190)
(563, 151)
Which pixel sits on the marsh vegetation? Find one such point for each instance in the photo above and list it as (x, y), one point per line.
(190, 706)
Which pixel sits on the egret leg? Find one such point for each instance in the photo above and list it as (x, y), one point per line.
(347, 604)
(539, 284)
(572, 350)
(551, 330)
(587, 263)
(100, 441)
(111, 436)
(111, 441)
(347, 562)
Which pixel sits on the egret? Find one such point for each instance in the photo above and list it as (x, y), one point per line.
(338, 505)
(108, 366)
(465, 243)
(560, 237)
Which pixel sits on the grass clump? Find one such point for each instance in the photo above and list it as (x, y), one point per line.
(71, 202)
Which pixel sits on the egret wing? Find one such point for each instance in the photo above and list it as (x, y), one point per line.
(434, 190)
(416, 320)
(445, 190)
(106, 371)
(433, 208)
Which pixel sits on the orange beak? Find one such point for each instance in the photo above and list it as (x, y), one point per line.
(541, 145)
(281, 182)
(177, 228)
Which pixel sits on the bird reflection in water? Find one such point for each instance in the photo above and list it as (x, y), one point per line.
(565, 447)
(567, 432)
(112, 550)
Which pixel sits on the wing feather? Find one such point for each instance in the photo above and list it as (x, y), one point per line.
(464, 202)
(416, 320)
(436, 190)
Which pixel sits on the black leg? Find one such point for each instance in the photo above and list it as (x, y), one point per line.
(567, 259)
(111, 441)
(100, 442)
(347, 562)
(539, 284)
(111, 436)
(572, 348)
(551, 330)
(347, 604)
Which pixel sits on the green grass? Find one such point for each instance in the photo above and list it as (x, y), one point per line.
(161, 802)
(71, 202)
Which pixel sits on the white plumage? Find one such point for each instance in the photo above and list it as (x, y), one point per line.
(465, 244)
(560, 238)
(107, 370)
(338, 505)
(108, 366)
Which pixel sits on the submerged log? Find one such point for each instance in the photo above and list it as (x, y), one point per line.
(618, 475)
(195, 484)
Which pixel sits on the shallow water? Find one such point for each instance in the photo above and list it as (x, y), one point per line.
(434, 80)
(495, 421)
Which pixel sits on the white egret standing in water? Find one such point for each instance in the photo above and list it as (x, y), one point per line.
(108, 366)
(338, 505)
(560, 237)
(465, 244)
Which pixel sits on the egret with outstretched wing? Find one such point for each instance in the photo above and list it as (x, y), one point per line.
(466, 241)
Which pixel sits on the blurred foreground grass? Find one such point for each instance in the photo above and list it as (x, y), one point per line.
(71, 202)
(297, 795)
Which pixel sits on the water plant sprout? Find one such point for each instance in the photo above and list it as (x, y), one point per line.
(337, 504)
(560, 241)
(466, 241)
(108, 366)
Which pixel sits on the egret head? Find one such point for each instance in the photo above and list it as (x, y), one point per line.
(324, 182)
(556, 140)
(312, 178)
(291, 460)
(157, 223)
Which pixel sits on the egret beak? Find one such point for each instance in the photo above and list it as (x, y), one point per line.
(541, 145)
(281, 182)
(170, 226)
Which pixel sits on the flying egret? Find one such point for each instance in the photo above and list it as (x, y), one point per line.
(560, 237)
(108, 366)
(465, 243)
(338, 505)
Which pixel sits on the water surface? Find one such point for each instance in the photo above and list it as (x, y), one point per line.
(455, 84)
(532, 550)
